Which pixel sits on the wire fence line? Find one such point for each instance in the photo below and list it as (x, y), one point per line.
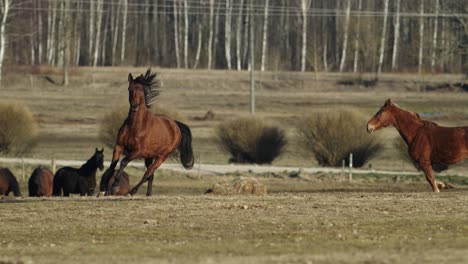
(211, 169)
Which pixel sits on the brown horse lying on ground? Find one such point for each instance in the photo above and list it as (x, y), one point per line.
(8, 183)
(107, 181)
(40, 182)
(428, 143)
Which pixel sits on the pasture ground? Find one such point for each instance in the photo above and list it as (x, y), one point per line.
(374, 219)
(315, 219)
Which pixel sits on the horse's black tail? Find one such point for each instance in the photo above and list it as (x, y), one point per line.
(56, 187)
(185, 147)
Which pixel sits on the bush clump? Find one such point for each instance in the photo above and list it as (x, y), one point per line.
(331, 135)
(250, 140)
(111, 122)
(18, 129)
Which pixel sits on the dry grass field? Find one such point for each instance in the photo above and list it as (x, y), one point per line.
(318, 218)
(321, 220)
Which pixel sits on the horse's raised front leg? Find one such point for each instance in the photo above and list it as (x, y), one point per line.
(123, 164)
(148, 174)
(427, 168)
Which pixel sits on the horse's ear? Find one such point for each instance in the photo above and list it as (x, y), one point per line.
(388, 102)
(130, 77)
(96, 150)
(102, 150)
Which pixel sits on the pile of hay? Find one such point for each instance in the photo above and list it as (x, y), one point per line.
(239, 186)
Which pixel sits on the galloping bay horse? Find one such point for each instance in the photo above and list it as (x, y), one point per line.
(148, 136)
(428, 143)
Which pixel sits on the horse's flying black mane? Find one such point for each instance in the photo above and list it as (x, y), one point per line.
(150, 86)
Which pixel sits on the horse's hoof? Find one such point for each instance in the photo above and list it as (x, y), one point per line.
(132, 192)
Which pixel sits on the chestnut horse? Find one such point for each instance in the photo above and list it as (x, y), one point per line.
(428, 143)
(8, 183)
(107, 181)
(149, 136)
(40, 182)
(82, 180)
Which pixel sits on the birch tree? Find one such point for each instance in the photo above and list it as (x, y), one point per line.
(421, 36)
(345, 37)
(210, 35)
(124, 30)
(5, 6)
(357, 38)
(227, 32)
(239, 36)
(434, 36)
(186, 35)
(99, 10)
(382, 42)
(396, 35)
(92, 26)
(115, 27)
(176, 33)
(305, 5)
(265, 36)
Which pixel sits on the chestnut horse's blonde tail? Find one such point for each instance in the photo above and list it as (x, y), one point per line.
(185, 146)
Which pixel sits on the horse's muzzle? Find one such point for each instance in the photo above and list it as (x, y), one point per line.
(369, 129)
(134, 107)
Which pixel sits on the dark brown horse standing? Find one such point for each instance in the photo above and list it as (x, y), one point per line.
(149, 136)
(40, 182)
(428, 143)
(8, 183)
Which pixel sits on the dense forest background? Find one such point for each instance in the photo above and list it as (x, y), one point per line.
(299, 35)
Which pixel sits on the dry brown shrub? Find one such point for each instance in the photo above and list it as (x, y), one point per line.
(250, 140)
(331, 135)
(111, 122)
(18, 129)
(242, 186)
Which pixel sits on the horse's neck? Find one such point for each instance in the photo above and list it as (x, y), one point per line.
(88, 169)
(406, 124)
(137, 118)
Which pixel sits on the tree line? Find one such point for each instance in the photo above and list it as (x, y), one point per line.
(298, 35)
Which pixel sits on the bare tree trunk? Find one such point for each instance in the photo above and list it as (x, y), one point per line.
(186, 34)
(67, 35)
(92, 26)
(124, 31)
(434, 37)
(210, 35)
(32, 40)
(265, 35)
(115, 28)
(246, 33)
(382, 42)
(216, 31)
(104, 40)
(197, 56)
(227, 33)
(345, 37)
(176, 34)
(39, 34)
(396, 36)
(357, 39)
(325, 60)
(421, 37)
(99, 9)
(51, 33)
(4, 9)
(239, 37)
(60, 39)
(305, 5)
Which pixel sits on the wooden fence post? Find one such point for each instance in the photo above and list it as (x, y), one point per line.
(350, 166)
(54, 166)
(22, 168)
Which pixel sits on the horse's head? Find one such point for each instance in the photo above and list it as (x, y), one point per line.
(136, 94)
(142, 90)
(382, 118)
(99, 158)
